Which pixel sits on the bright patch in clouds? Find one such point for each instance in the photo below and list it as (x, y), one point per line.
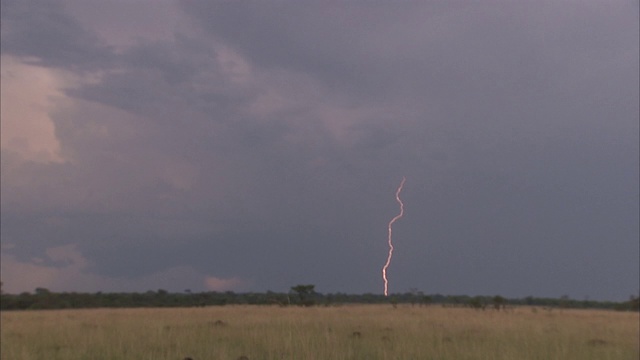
(65, 268)
(29, 94)
(220, 284)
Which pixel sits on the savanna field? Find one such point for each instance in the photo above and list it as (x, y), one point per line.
(337, 332)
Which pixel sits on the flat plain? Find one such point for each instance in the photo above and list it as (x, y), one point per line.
(335, 332)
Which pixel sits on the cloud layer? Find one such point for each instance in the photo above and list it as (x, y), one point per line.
(250, 146)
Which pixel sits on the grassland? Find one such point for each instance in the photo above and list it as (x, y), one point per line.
(345, 332)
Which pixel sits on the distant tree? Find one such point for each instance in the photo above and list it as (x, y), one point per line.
(457, 300)
(43, 299)
(394, 302)
(476, 303)
(42, 291)
(634, 303)
(414, 295)
(499, 302)
(529, 300)
(305, 293)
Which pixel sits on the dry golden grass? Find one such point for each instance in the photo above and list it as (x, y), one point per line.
(346, 332)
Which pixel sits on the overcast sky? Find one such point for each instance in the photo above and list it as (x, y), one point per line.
(256, 145)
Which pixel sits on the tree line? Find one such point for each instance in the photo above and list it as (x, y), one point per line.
(299, 295)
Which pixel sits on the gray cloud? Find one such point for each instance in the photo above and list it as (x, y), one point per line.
(42, 32)
(261, 145)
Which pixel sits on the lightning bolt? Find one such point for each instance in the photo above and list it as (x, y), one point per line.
(386, 265)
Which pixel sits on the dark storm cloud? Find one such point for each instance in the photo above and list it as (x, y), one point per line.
(44, 33)
(265, 143)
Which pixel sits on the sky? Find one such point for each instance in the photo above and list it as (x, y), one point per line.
(256, 145)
